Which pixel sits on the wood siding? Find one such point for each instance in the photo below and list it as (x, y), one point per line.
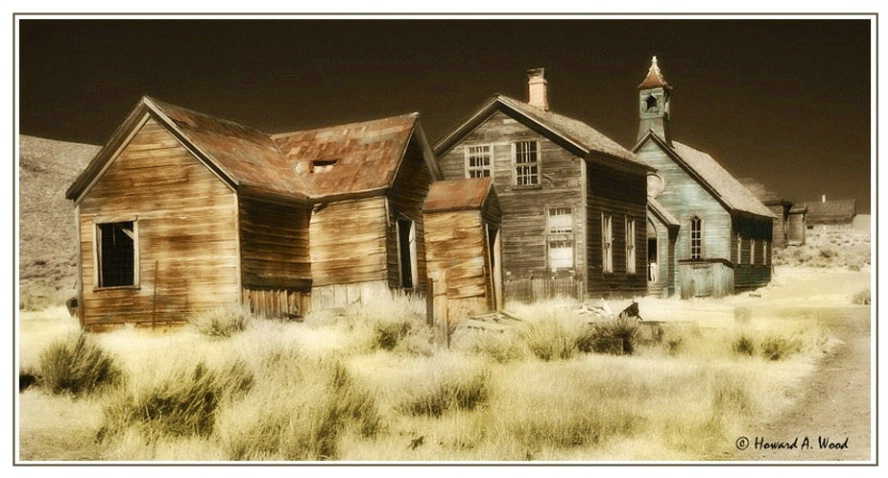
(753, 233)
(348, 242)
(275, 261)
(405, 198)
(187, 236)
(524, 208)
(622, 196)
(796, 229)
(685, 198)
(456, 244)
(705, 279)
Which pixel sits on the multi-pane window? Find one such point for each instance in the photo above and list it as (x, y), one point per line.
(630, 246)
(739, 248)
(527, 163)
(696, 238)
(479, 161)
(116, 254)
(607, 242)
(752, 251)
(561, 242)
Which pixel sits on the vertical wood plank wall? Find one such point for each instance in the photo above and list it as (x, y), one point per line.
(186, 227)
(406, 196)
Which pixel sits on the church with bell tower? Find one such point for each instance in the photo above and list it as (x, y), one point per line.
(707, 235)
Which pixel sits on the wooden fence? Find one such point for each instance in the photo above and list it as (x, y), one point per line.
(541, 288)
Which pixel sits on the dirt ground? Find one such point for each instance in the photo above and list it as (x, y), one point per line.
(835, 404)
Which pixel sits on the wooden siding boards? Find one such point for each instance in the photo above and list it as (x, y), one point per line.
(685, 197)
(187, 238)
(524, 208)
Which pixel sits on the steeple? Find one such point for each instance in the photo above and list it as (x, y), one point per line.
(654, 95)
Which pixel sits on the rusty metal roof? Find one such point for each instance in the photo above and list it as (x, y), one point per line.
(458, 194)
(654, 78)
(348, 158)
(248, 156)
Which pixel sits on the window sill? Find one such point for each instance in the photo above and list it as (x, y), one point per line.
(528, 187)
(118, 287)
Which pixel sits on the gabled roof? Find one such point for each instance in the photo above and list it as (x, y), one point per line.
(458, 194)
(243, 157)
(353, 158)
(712, 176)
(583, 138)
(833, 209)
(662, 214)
(763, 194)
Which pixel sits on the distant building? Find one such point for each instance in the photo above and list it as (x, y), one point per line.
(718, 235)
(832, 213)
(784, 212)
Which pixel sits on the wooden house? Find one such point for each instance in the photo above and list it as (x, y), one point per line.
(831, 213)
(182, 212)
(779, 206)
(573, 200)
(463, 245)
(724, 234)
(368, 182)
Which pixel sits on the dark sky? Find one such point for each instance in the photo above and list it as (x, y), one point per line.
(786, 101)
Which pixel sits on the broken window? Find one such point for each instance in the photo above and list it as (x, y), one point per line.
(651, 103)
(479, 161)
(527, 164)
(116, 254)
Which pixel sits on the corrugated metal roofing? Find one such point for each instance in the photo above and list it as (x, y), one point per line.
(248, 156)
(348, 158)
(734, 194)
(457, 194)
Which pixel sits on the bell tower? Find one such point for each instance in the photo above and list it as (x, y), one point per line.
(654, 96)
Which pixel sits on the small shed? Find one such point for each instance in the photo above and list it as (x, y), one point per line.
(832, 213)
(463, 245)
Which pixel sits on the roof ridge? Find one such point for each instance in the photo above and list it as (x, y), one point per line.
(414, 114)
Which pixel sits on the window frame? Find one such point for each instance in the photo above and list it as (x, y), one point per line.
(698, 247)
(467, 163)
(739, 249)
(607, 242)
(560, 236)
(752, 251)
(630, 245)
(98, 253)
(412, 251)
(765, 258)
(516, 165)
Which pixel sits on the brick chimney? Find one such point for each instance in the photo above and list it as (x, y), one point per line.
(536, 88)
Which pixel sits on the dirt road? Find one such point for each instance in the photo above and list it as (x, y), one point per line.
(835, 405)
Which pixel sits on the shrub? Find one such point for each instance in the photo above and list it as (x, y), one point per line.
(300, 413)
(221, 322)
(777, 348)
(77, 366)
(461, 392)
(386, 335)
(550, 339)
(184, 404)
(614, 337)
(501, 347)
(862, 298)
(743, 345)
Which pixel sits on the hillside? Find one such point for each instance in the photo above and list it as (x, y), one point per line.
(47, 244)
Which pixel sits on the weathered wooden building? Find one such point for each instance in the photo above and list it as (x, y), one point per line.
(724, 235)
(463, 244)
(797, 225)
(831, 213)
(780, 207)
(368, 182)
(573, 200)
(181, 212)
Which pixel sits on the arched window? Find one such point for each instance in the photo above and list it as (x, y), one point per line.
(696, 238)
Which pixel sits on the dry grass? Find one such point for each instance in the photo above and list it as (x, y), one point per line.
(849, 248)
(327, 389)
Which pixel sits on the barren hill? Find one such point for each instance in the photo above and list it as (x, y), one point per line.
(47, 238)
